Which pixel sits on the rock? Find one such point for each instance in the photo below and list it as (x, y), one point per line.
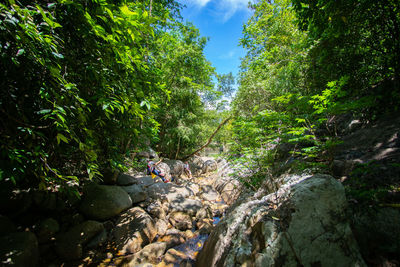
(205, 226)
(98, 240)
(134, 229)
(156, 210)
(304, 222)
(19, 249)
(146, 181)
(176, 167)
(204, 213)
(69, 245)
(136, 193)
(189, 206)
(6, 226)
(195, 188)
(174, 256)
(149, 254)
(149, 153)
(173, 239)
(47, 201)
(102, 202)
(180, 220)
(110, 176)
(377, 231)
(229, 188)
(169, 191)
(161, 227)
(209, 166)
(208, 193)
(47, 229)
(125, 179)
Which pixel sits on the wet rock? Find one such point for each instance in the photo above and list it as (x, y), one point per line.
(209, 166)
(136, 193)
(125, 179)
(47, 229)
(134, 229)
(180, 220)
(69, 245)
(174, 256)
(102, 202)
(304, 222)
(19, 249)
(173, 239)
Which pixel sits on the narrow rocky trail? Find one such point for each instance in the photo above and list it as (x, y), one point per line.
(166, 224)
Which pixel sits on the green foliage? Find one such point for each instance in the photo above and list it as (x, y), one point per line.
(79, 86)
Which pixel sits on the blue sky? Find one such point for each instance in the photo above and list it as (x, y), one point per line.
(222, 21)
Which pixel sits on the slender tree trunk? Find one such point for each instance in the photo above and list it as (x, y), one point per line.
(209, 139)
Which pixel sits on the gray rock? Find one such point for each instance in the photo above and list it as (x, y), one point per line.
(149, 254)
(19, 249)
(229, 188)
(176, 167)
(146, 180)
(136, 193)
(304, 222)
(209, 166)
(69, 245)
(180, 220)
(169, 191)
(102, 202)
(162, 227)
(208, 193)
(125, 179)
(134, 229)
(149, 153)
(190, 206)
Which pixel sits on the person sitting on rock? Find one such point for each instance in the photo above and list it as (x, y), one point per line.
(186, 168)
(153, 171)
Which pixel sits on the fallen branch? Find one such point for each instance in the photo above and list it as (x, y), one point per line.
(209, 139)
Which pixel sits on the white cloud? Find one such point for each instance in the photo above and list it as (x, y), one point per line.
(225, 9)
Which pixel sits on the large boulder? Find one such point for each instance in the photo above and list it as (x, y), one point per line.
(47, 229)
(134, 229)
(209, 166)
(19, 249)
(303, 223)
(148, 153)
(6, 225)
(176, 167)
(136, 193)
(125, 179)
(102, 202)
(69, 245)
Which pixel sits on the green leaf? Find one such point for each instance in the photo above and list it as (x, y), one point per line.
(62, 138)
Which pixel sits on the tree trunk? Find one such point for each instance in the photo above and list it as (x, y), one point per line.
(209, 139)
